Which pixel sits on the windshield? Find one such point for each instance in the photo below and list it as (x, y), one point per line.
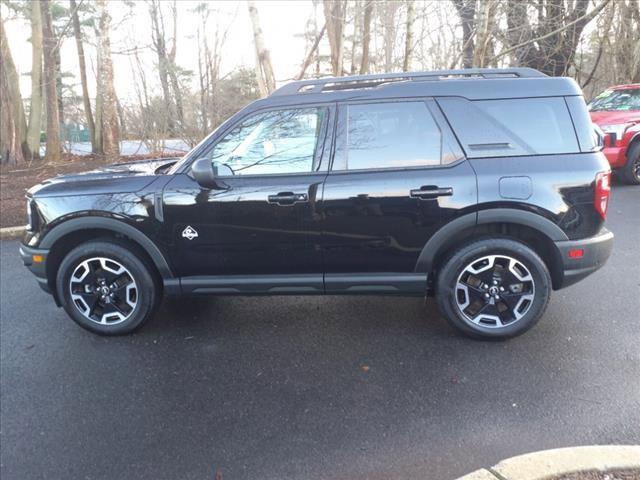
(616, 101)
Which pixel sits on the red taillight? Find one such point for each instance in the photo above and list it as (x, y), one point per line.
(603, 190)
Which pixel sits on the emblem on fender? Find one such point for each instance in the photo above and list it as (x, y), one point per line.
(189, 233)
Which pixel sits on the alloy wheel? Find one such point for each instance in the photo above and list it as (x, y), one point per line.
(103, 291)
(494, 291)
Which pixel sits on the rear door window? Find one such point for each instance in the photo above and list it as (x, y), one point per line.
(389, 135)
(497, 128)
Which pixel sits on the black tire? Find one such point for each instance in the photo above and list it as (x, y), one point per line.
(630, 173)
(139, 287)
(479, 256)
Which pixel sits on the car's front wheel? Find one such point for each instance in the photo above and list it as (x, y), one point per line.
(106, 287)
(631, 170)
(493, 288)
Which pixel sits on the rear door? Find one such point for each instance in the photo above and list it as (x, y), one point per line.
(397, 176)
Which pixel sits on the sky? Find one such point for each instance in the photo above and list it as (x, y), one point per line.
(282, 22)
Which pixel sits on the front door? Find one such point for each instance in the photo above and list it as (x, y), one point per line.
(263, 219)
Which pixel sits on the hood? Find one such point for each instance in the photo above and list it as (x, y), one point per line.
(615, 117)
(116, 178)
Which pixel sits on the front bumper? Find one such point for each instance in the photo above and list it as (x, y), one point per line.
(617, 156)
(596, 251)
(39, 269)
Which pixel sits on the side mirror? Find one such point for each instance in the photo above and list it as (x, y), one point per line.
(205, 174)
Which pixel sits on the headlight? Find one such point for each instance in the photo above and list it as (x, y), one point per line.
(32, 218)
(617, 130)
(29, 216)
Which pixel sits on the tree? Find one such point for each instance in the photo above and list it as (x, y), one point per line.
(466, 11)
(10, 142)
(54, 146)
(550, 45)
(109, 114)
(77, 30)
(408, 44)
(160, 46)
(389, 14)
(334, 14)
(366, 36)
(35, 105)
(264, 68)
(13, 93)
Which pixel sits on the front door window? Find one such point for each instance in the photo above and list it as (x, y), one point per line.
(274, 142)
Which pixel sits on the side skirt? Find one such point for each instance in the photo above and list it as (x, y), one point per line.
(410, 284)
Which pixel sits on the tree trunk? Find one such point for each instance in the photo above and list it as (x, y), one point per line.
(110, 131)
(366, 37)
(334, 13)
(35, 107)
(466, 11)
(408, 44)
(264, 68)
(54, 147)
(390, 10)
(99, 100)
(13, 92)
(485, 25)
(157, 35)
(10, 145)
(83, 75)
(173, 74)
(58, 65)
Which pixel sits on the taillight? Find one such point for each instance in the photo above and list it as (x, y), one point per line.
(602, 193)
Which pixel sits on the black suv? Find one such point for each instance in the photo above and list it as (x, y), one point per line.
(485, 188)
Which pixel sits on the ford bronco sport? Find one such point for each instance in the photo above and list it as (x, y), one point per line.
(484, 188)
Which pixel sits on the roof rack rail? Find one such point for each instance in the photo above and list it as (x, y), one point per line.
(374, 80)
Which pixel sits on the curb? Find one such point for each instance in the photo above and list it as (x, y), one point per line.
(550, 463)
(11, 232)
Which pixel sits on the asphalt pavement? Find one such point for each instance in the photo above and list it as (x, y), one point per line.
(316, 387)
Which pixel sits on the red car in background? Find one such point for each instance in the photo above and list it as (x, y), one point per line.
(617, 112)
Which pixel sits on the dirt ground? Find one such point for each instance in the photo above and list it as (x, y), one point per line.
(619, 475)
(15, 181)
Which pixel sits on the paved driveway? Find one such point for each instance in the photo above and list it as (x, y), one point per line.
(316, 388)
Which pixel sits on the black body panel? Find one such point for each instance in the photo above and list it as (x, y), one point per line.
(329, 231)
(372, 224)
(240, 232)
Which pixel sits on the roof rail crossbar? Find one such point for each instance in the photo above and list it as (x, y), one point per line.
(375, 80)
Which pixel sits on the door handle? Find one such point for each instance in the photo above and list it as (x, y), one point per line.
(287, 198)
(431, 191)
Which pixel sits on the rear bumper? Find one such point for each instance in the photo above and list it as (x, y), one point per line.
(617, 156)
(596, 251)
(37, 268)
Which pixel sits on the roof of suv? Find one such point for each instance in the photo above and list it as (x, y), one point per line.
(473, 84)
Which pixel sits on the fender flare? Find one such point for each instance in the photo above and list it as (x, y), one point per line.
(495, 215)
(107, 223)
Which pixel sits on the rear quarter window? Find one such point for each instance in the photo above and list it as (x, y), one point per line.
(511, 127)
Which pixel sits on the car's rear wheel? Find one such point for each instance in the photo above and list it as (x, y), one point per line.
(493, 288)
(631, 171)
(106, 287)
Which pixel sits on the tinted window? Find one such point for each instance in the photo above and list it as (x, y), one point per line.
(281, 141)
(388, 135)
(489, 128)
